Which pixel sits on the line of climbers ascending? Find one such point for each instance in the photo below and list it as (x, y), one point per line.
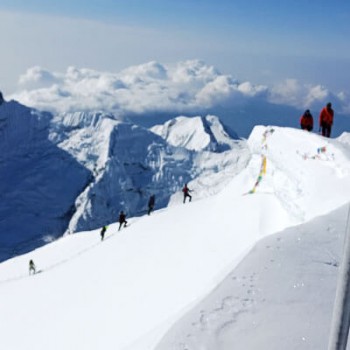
(325, 120)
(151, 203)
(122, 220)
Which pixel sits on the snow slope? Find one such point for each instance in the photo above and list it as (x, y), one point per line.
(126, 292)
(281, 294)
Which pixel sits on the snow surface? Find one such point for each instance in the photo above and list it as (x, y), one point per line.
(280, 296)
(126, 292)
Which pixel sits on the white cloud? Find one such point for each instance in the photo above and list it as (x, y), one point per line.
(37, 77)
(293, 93)
(184, 87)
(345, 100)
(251, 90)
(216, 91)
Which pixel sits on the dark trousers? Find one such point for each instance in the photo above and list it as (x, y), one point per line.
(187, 195)
(326, 129)
(121, 223)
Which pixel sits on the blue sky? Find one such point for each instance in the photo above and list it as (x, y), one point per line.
(260, 41)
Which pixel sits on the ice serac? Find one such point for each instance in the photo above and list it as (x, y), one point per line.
(197, 133)
(38, 181)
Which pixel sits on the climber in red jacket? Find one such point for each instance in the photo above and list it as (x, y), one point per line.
(326, 120)
(307, 121)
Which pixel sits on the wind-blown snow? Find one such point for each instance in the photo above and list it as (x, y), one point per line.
(125, 292)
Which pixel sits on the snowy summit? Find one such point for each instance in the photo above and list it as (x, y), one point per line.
(269, 215)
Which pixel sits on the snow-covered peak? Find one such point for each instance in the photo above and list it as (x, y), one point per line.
(197, 133)
(85, 135)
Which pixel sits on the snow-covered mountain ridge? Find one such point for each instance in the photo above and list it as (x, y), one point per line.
(76, 171)
(127, 291)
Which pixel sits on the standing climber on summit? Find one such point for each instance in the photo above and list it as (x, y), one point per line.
(186, 193)
(326, 120)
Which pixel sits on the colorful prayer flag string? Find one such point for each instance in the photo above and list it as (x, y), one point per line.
(321, 154)
(263, 166)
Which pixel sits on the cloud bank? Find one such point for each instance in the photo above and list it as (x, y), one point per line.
(184, 87)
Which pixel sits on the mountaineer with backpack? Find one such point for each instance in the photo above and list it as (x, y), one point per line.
(326, 120)
(186, 193)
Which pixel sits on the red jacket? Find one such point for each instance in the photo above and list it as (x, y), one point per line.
(326, 116)
(306, 121)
